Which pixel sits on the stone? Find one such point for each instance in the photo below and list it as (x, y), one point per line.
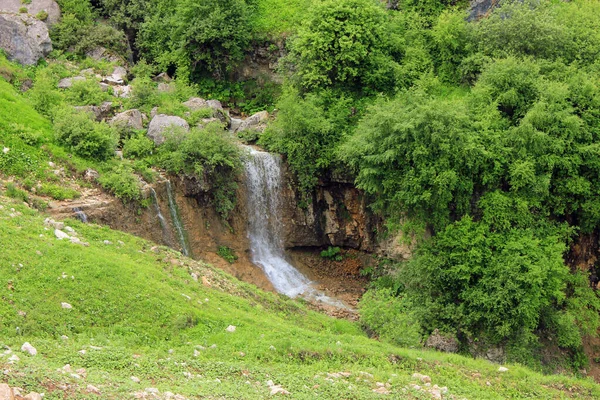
(161, 124)
(422, 378)
(129, 119)
(93, 389)
(66, 306)
(14, 358)
(100, 53)
(91, 175)
(123, 92)
(278, 390)
(6, 393)
(257, 122)
(23, 38)
(5, 150)
(162, 77)
(67, 83)
(381, 390)
(165, 88)
(33, 396)
(60, 235)
(197, 103)
(119, 73)
(28, 348)
(230, 329)
(445, 343)
(33, 8)
(100, 113)
(135, 379)
(502, 369)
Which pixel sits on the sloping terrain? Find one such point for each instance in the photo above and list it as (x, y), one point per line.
(113, 307)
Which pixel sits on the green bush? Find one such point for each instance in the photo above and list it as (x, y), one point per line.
(211, 156)
(83, 136)
(332, 253)
(122, 182)
(389, 317)
(16, 193)
(344, 43)
(227, 254)
(138, 147)
(86, 92)
(57, 192)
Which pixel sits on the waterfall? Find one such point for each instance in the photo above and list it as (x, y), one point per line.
(185, 248)
(159, 215)
(263, 172)
(80, 215)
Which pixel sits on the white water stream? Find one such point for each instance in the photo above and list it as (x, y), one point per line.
(263, 179)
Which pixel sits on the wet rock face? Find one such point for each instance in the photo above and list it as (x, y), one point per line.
(336, 216)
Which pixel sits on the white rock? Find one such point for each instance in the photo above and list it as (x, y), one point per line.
(502, 369)
(60, 235)
(107, 242)
(82, 352)
(28, 348)
(422, 378)
(152, 390)
(5, 150)
(135, 379)
(14, 358)
(66, 306)
(230, 328)
(278, 390)
(69, 229)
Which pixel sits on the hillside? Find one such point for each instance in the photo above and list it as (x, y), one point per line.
(147, 312)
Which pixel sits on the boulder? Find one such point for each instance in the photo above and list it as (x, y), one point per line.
(122, 91)
(162, 77)
(162, 123)
(24, 38)
(257, 122)
(197, 103)
(101, 112)
(6, 393)
(129, 119)
(102, 54)
(33, 9)
(67, 83)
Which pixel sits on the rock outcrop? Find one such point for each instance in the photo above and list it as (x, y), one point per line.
(162, 124)
(257, 122)
(481, 8)
(101, 112)
(24, 39)
(197, 103)
(132, 119)
(35, 7)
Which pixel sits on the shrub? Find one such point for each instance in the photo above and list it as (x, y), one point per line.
(83, 136)
(227, 254)
(42, 15)
(122, 182)
(344, 43)
(332, 253)
(16, 193)
(138, 147)
(389, 317)
(86, 92)
(57, 192)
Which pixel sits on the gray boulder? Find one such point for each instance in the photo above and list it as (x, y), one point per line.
(101, 112)
(33, 9)
(24, 38)
(196, 103)
(67, 83)
(130, 119)
(257, 122)
(162, 124)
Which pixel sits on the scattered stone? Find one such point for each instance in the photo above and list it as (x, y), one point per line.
(122, 91)
(422, 378)
(13, 359)
(186, 296)
(6, 393)
(5, 150)
(135, 379)
(33, 396)
(82, 352)
(230, 328)
(60, 235)
(152, 390)
(381, 390)
(107, 242)
(28, 348)
(66, 306)
(213, 346)
(91, 175)
(206, 282)
(93, 389)
(502, 369)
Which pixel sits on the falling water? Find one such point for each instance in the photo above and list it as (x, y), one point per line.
(159, 215)
(263, 172)
(185, 249)
(80, 215)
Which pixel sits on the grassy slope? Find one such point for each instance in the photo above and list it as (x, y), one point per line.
(132, 300)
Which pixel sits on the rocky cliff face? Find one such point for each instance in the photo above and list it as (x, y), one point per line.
(24, 38)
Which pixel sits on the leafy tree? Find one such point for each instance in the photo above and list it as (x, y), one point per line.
(344, 44)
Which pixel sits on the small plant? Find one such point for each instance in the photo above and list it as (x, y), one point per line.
(16, 193)
(227, 254)
(332, 253)
(42, 15)
(57, 192)
(23, 10)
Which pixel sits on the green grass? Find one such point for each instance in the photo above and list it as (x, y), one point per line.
(142, 307)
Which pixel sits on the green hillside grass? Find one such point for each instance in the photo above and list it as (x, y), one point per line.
(144, 315)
